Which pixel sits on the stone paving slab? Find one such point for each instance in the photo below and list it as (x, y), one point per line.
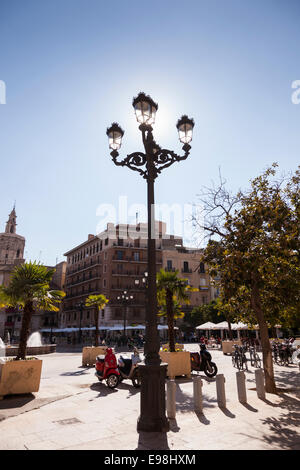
(92, 417)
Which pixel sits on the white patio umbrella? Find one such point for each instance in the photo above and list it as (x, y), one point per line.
(206, 326)
(239, 326)
(165, 327)
(223, 325)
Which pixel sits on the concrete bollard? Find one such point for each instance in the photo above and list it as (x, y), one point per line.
(241, 386)
(260, 383)
(197, 389)
(171, 399)
(221, 397)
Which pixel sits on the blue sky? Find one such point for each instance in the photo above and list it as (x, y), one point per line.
(71, 67)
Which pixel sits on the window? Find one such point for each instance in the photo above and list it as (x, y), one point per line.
(119, 254)
(104, 268)
(104, 282)
(201, 268)
(185, 267)
(169, 265)
(136, 256)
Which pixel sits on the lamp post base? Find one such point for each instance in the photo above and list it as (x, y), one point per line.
(153, 399)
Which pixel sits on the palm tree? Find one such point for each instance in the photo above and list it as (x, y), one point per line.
(171, 290)
(29, 287)
(98, 302)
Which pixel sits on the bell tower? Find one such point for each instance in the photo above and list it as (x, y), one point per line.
(11, 224)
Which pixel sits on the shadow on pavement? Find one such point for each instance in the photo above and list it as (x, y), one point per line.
(153, 441)
(227, 412)
(103, 389)
(173, 425)
(16, 401)
(202, 418)
(249, 407)
(282, 432)
(76, 373)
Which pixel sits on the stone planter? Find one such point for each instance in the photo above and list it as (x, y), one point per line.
(227, 346)
(177, 346)
(17, 377)
(89, 354)
(179, 363)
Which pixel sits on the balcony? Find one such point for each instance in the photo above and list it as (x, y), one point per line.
(170, 270)
(79, 269)
(73, 284)
(186, 271)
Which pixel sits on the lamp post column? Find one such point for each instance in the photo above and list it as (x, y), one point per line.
(153, 374)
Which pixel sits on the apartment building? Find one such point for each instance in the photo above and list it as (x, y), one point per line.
(115, 261)
(110, 263)
(187, 262)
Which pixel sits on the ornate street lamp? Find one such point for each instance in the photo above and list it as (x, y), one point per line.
(125, 299)
(80, 306)
(149, 165)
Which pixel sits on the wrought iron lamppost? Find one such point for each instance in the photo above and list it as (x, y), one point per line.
(80, 307)
(125, 299)
(149, 165)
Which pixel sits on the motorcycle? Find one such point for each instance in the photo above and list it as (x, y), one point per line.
(202, 362)
(107, 369)
(128, 368)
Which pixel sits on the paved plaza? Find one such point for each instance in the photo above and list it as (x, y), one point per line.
(73, 410)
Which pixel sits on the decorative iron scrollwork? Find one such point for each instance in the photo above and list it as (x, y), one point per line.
(156, 161)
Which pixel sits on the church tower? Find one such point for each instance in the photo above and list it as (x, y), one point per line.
(11, 224)
(11, 248)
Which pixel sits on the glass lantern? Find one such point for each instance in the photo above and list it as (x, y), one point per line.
(185, 129)
(115, 134)
(145, 109)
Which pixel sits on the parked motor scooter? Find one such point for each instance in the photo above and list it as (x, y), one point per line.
(128, 368)
(107, 369)
(203, 362)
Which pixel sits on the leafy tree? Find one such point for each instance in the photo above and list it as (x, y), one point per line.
(258, 258)
(29, 287)
(202, 314)
(171, 292)
(98, 302)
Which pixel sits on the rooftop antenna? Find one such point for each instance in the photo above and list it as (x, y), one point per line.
(136, 217)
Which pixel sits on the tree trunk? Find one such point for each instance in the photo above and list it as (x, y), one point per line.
(170, 316)
(96, 325)
(229, 330)
(265, 341)
(27, 314)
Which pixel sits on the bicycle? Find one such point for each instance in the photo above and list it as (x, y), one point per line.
(243, 361)
(236, 357)
(254, 358)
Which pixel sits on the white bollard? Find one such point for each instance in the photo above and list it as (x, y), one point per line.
(221, 397)
(241, 386)
(171, 399)
(260, 383)
(197, 388)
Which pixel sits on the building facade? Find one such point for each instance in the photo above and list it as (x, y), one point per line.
(114, 262)
(11, 255)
